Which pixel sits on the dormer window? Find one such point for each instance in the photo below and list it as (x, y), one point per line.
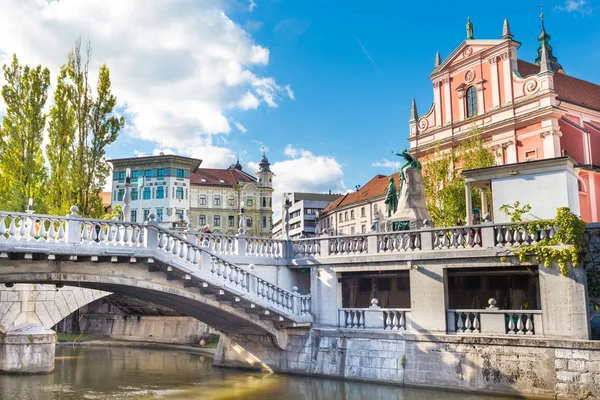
(221, 181)
(471, 101)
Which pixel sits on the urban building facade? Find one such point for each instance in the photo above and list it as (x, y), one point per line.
(525, 111)
(159, 185)
(358, 212)
(304, 210)
(220, 197)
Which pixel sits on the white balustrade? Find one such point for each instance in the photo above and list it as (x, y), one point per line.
(517, 234)
(394, 320)
(216, 244)
(398, 241)
(457, 237)
(42, 228)
(112, 233)
(391, 319)
(352, 318)
(307, 248)
(264, 247)
(348, 245)
(494, 322)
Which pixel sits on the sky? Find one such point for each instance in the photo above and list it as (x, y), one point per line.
(324, 87)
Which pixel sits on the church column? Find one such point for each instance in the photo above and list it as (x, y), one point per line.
(469, 203)
(511, 151)
(484, 204)
(507, 74)
(461, 105)
(495, 81)
(438, 103)
(447, 101)
(481, 106)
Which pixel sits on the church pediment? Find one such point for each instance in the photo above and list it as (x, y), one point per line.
(463, 52)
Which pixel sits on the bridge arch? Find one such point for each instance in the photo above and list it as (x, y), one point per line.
(154, 282)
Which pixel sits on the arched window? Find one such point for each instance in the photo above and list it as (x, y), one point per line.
(580, 185)
(471, 101)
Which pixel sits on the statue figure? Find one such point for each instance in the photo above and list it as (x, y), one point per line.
(411, 162)
(391, 198)
(469, 29)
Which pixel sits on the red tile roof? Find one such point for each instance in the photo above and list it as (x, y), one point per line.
(213, 177)
(569, 89)
(374, 188)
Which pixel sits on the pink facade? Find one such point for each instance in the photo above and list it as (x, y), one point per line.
(526, 111)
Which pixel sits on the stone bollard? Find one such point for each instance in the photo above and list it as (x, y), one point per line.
(27, 349)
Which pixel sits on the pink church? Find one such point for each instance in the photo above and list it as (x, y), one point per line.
(526, 111)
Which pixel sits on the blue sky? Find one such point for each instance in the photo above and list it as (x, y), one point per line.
(326, 86)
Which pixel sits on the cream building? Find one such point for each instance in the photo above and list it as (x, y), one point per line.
(358, 212)
(217, 195)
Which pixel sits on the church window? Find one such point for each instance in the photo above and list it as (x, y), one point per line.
(471, 101)
(580, 185)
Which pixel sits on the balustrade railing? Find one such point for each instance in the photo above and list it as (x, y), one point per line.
(494, 322)
(21, 226)
(457, 237)
(306, 248)
(264, 247)
(391, 319)
(519, 234)
(398, 241)
(217, 244)
(348, 245)
(116, 233)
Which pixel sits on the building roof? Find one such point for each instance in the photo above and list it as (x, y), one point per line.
(219, 177)
(570, 89)
(106, 198)
(195, 163)
(376, 187)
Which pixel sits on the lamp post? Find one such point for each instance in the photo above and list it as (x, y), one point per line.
(286, 218)
(30, 206)
(127, 197)
(241, 230)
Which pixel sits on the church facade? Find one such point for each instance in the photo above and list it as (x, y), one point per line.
(525, 111)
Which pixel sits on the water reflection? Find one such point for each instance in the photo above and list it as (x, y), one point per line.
(124, 373)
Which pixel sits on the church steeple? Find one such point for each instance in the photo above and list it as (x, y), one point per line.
(544, 39)
(414, 116)
(506, 33)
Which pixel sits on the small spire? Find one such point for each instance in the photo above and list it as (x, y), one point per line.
(546, 48)
(506, 33)
(414, 116)
(545, 62)
(438, 59)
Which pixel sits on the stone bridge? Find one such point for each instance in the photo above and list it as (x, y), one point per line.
(149, 263)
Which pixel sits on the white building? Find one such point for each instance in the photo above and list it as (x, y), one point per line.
(159, 184)
(303, 212)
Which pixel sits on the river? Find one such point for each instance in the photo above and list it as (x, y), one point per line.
(131, 373)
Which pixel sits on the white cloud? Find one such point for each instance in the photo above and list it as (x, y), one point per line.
(212, 156)
(177, 67)
(303, 171)
(252, 5)
(578, 6)
(385, 163)
(241, 127)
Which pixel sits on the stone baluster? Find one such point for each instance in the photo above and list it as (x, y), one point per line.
(529, 325)
(511, 324)
(402, 322)
(520, 325)
(459, 323)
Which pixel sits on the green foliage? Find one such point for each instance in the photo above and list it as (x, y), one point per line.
(593, 263)
(566, 246)
(114, 214)
(61, 134)
(515, 212)
(95, 128)
(444, 184)
(21, 159)
(403, 361)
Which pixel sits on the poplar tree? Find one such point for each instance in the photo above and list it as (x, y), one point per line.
(21, 158)
(61, 134)
(444, 184)
(95, 128)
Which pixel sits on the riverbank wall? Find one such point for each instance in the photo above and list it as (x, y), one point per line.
(516, 366)
(158, 329)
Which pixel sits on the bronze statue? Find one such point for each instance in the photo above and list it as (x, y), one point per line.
(411, 162)
(391, 198)
(470, 29)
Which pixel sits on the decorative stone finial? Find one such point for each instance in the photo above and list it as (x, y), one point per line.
(295, 289)
(73, 210)
(438, 59)
(151, 217)
(374, 303)
(251, 267)
(506, 33)
(492, 303)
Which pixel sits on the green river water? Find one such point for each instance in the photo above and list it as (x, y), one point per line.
(132, 373)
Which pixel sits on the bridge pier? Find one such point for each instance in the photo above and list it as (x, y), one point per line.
(27, 349)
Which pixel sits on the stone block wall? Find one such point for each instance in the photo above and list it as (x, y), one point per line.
(508, 366)
(577, 371)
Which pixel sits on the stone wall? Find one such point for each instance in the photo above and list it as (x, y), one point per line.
(159, 329)
(513, 366)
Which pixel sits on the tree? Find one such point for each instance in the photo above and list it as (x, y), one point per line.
(61, 134)
(21, 160)
(444, 184)
(95, 128)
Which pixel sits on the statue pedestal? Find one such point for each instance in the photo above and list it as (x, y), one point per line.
(412, 205)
